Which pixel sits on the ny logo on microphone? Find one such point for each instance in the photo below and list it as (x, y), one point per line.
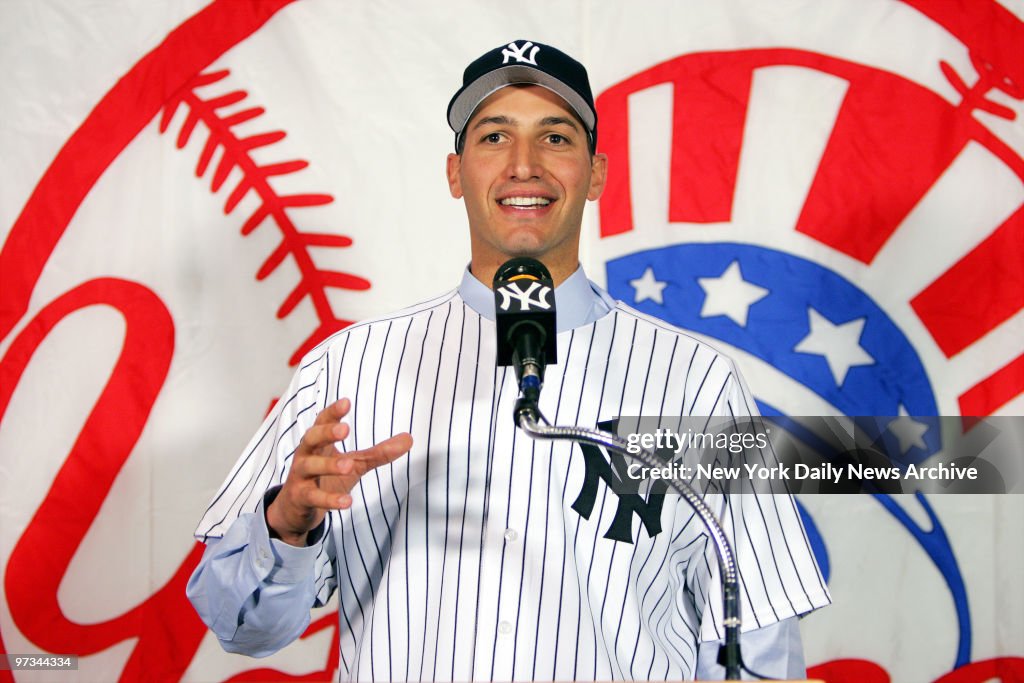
(513, 290)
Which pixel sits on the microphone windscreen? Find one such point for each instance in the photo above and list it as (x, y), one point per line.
(524, 267)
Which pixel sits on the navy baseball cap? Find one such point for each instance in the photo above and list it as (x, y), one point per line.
(524, 62)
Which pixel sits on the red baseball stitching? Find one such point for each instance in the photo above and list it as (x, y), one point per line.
(313, 281)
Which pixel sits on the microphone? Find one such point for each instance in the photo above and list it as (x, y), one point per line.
(524, 303)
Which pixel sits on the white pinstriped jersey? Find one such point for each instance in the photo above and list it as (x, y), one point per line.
(465, 559)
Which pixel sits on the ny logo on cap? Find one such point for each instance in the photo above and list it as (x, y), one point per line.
(517, 53)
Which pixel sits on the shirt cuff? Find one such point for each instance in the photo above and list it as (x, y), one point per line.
(281, 562)
(312, 538)
(775, 650)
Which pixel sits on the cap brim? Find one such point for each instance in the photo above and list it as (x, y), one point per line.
(467, 101)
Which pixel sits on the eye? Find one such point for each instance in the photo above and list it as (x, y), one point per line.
(557, 139)
(492, 138)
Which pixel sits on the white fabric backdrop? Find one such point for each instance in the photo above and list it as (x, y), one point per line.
(819, 146)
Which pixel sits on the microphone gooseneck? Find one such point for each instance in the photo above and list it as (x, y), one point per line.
(729, 656)
(524, 298)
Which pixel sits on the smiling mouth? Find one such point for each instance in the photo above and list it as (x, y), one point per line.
(526, 203)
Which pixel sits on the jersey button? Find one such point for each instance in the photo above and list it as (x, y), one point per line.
(510, 535)
(504, 628)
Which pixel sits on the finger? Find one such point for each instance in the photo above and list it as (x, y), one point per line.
(334, 412)
(327, 465)
(325, 500)
(321, 435)
(384, 452)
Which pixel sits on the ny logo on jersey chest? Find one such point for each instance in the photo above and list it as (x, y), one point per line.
(598, 468)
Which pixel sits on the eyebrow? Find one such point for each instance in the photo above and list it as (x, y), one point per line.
(508, 121)
(559, 120)
(494, 120)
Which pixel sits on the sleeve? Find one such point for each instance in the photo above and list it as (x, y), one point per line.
(254, 592)
(778, 574)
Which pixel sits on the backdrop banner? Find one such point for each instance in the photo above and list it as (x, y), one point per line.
(193, 195)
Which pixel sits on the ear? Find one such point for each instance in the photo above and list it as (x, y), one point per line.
(454, 181)
(598, 176)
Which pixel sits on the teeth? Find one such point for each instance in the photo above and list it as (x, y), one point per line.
(525, 201)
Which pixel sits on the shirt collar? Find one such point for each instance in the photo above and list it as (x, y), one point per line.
(578, 301)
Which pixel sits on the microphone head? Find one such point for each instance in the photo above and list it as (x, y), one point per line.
(524, 267)
(524, 302)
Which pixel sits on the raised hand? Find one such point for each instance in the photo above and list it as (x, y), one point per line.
(321, 477)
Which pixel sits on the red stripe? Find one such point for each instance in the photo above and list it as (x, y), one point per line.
(890, 142)
(708, 115)
(983, 290)
(995, 391)
(616, 204)
(710, 97)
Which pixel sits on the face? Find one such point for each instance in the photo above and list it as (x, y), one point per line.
(525, 174)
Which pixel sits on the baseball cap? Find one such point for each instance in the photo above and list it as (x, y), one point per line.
(524, 61)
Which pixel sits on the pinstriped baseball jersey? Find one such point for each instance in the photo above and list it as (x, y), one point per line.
(471, 557)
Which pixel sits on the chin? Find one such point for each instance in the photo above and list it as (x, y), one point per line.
(533, 250)
(525, 246)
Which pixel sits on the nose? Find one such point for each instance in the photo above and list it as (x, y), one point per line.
(524, 161)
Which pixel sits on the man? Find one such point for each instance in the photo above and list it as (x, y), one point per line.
(481, 554)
